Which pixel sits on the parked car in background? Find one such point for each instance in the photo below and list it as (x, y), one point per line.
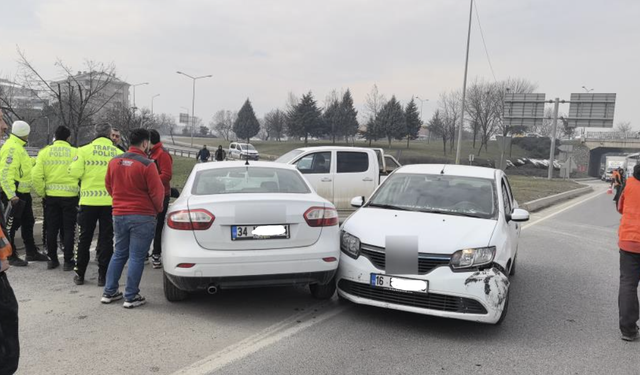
(434, 239)
(237, 225)
(340, 173)
(242, 151)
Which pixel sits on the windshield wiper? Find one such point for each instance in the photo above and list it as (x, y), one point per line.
(455, 213)
(389, 207)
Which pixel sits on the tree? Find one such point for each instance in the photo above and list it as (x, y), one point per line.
(483, 111)
(512, 86)
(391, 122)
(450, 113)
(439, 129)
(373, 103)
(348, 116)
(222, 124)
(78, 100)
(126, 119)
(166, 124)
(305, 119)
(412, 120)
(204, 131)
(624, 128)
(246, 124)
(333, 118)
(275, 122)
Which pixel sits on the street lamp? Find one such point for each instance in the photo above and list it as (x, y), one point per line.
(153, 97)
(134, 92)
(586, 89)
(193, 99)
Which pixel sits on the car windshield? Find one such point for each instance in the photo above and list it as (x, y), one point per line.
(247, 147)
(248, 180)
(288, 156)
(451, 195)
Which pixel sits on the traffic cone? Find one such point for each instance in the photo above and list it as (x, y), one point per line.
(610, 191)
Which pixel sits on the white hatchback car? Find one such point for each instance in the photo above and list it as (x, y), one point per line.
(238, 225)
(434, 239)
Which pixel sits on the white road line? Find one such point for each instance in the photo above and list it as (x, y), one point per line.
(588, 198)
(264, 338)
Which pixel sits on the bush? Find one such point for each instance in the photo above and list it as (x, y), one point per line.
(537, 148)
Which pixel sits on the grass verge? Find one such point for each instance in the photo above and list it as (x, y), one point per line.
(527, 189)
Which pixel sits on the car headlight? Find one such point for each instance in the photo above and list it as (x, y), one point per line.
(350, 245)
(471, 258)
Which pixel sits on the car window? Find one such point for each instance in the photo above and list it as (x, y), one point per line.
(352, 162)
(288, 156)
(248, 180)
(319, 162)
(233, 146)
(391, 164)
(454, 195)
(506, 198)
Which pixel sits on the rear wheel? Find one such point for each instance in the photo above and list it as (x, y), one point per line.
(171, 292)
(323, 291)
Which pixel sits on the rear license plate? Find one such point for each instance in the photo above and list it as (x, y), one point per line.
(259, 232)
(399, 283)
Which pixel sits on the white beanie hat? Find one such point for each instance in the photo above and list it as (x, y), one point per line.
(20, 129)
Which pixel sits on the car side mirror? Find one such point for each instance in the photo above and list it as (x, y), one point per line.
(519, 215)
(357, 202)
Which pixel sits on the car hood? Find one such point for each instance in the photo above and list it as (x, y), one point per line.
(437, 233)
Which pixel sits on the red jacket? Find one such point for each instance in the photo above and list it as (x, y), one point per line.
(164, 161)
(134, 183)
(629, 207)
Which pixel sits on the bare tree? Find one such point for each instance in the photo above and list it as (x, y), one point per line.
(449, 104)
(483, 111)
(373, 103)
(77, 100)
(624, 128)
(166, 124)
(275, 123)
(222, 123)
(126, 120)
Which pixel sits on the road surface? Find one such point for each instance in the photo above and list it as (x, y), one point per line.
(562, 319)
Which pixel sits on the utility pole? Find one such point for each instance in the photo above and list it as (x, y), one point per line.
(134, 92)
(552, 152)
(193, 100)
(464, 85)
(153, 97)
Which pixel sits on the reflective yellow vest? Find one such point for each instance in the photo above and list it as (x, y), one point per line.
(89, 168)
(50, 176)
(15, 164)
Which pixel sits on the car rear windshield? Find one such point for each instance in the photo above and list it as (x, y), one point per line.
(248, 180)
(288, 156)
(452, 195)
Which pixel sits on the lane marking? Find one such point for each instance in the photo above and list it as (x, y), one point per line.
(267, 337)
(588, 198)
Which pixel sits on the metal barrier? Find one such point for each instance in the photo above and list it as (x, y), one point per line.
(181, 152)
(611, 136)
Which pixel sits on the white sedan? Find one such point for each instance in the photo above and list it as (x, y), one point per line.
(238, 225)
(434, 239)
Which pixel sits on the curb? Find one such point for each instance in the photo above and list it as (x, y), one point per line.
(545, 202)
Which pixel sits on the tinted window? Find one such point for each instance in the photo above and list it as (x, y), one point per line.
(319, 162)
(353, 162)
(506, 197)
(233, 146)
(248, 180)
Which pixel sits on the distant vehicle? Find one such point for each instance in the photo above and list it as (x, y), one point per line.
(240, 151)
(612, 163)
(237, 225)
(533, 135)
(464, 225)
(337, 172)
(630, 163)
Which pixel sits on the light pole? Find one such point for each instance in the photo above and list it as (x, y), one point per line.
(134, 92)
(153, 97)
(421, 105)
(464, 86)
(193, 100)
(586, 89)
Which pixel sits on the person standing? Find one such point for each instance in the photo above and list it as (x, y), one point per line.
(89, 168)
(220, 154)
(9, 337)
(116, 138)
(138, 194)
(52, 182)
(15, 180)
(203, 155)
(629, 244)
(164, 162)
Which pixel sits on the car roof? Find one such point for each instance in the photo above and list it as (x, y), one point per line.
(449, 170)
(242, 163)
(337, 148)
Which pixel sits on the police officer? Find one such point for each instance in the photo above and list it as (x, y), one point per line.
(15, 181)
(52, 181)
(89, 168)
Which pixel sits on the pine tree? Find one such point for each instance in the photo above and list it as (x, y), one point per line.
(413, 121)
(348, 115)
(437, 127)
(305, 119)
(246, 125)
(390, 122)
(333, 119)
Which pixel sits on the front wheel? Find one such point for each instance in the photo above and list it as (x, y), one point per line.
(323, 291)
(171, 292)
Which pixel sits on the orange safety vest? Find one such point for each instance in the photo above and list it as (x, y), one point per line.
(629, 206)
(615, 177)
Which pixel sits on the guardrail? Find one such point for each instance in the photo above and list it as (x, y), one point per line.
(611, 136)
(181, 152)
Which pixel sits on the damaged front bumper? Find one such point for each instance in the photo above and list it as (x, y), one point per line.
(478, 296)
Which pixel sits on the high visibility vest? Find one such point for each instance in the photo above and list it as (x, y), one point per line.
(50, 176)
(629, 229)
(15, 167)
(89, 168)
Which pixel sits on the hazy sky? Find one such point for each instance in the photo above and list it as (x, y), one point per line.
(262, 49)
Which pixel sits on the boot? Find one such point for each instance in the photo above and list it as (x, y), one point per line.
(15, 261)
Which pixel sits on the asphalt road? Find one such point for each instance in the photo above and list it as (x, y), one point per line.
(562, 319)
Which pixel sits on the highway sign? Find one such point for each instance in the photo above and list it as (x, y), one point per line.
(591, 110)
(184, 118)
(523, 110)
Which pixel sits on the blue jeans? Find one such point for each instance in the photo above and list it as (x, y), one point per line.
(134, 234)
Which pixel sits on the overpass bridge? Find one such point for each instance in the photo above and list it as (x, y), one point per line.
(604, 143)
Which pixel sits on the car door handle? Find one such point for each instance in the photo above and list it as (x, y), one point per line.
(326, 179)
(367, 179)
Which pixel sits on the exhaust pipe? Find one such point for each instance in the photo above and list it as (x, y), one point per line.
(212, 289)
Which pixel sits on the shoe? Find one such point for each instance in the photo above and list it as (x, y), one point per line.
(68, 266)
(37, 257)
(138, 300)
(53, 264)
(632, 337)
(108, 298)
(14, 261)
(156, 261)
(146, 259)
(101, 280)
(78, 280)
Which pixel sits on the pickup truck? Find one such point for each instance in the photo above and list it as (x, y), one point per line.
(340, 173)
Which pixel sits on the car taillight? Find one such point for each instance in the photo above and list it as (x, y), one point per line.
(190, 220)
(321, 217)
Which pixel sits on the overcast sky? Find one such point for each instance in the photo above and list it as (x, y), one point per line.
(262, 49)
